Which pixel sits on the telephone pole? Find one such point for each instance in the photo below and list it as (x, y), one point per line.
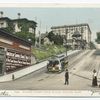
(40, 35)
(66, 41)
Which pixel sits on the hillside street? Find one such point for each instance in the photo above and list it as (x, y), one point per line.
(80, 76)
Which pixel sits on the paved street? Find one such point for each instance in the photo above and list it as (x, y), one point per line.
(80, 78)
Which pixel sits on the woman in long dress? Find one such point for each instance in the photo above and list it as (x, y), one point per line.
(94, 81)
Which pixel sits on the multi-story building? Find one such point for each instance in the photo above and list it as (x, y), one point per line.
(83, 29)
(5, 22)
(17, 25)
(15, 53)
(28, 25)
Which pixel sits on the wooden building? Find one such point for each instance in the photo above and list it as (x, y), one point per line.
(15, 53)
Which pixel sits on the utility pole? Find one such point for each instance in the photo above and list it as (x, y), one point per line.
(40, 36)
(39, 39)
(66, 46)
(35, 31)
(66, 41)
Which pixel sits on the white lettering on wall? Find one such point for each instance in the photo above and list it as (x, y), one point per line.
(6, 41)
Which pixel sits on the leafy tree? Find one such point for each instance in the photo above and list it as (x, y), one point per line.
(25, 24)
(58, 39)
(51, 36)
(26, 36)
(98, 37)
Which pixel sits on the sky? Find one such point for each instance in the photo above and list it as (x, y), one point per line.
(48, 17)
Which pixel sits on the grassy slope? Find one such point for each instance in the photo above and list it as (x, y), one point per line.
(47, 51)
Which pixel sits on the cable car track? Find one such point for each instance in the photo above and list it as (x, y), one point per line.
(72, 64)
(50, 75)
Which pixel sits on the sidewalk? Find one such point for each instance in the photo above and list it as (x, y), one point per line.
(28, 70)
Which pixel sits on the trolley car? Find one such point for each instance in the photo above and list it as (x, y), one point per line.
(57, 63)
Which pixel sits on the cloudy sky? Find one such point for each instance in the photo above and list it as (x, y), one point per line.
(48, 17)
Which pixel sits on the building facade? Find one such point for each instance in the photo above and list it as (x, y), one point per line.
(69, 30)
(17, 25)
(4, 22)
(15, 53)
(28, 25)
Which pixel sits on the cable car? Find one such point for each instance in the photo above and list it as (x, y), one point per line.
(57, 63)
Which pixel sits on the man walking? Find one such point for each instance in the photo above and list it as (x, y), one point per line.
(94, 80)
(66, 77)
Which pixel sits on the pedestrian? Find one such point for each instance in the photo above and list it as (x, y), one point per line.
(66, 77)
(94, 80)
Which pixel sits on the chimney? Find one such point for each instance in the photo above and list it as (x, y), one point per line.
(1, 14)
(19, 15)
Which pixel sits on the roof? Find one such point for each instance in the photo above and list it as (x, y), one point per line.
(21, 19)
(5, 18)
(60, 55)
(75, 25)
(11, 36)
(24, 19)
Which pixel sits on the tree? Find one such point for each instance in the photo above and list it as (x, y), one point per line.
(51, 36)
(57, 39)
(26, 36)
